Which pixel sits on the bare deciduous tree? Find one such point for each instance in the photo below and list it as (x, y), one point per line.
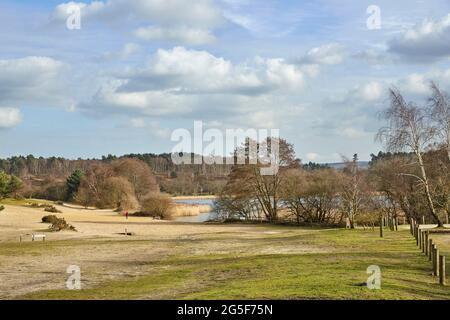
(410, 129)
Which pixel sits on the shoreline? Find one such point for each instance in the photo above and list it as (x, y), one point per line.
(209, 197)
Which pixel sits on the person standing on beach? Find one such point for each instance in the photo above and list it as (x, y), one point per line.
(126, 215)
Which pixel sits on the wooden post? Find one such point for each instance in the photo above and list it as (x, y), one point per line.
(442, 270)
(396, 224)
(419, 238)
(422, 242)
(417, 235)
(432, 260)
(426, 243)
(435, 261)
(430, 249)
(381, 228)
(423, 219)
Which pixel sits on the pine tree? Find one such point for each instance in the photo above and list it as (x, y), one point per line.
(73, 183)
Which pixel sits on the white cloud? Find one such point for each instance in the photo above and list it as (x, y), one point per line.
(9, 117)
(312, 156)
(416, 83)
(137, 122)
(428, 40)
(353, 133)
(373, 57)
(192, 36)
(128, 50)
(328, 54)
(282, 74)
(195, 72)
(61, 12)
(372, 91)
(32, 79)
(200, 13)
(186, 22)
(363, 94)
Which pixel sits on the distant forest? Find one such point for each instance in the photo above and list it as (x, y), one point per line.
(48, 173)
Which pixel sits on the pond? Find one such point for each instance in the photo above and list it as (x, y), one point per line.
(199, 218)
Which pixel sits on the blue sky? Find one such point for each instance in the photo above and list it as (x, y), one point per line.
(139, 69)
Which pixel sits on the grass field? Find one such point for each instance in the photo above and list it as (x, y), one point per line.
(169, 260)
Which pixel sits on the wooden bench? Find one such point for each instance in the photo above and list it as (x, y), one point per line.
(38, 236)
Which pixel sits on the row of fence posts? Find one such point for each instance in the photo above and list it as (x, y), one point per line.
(430, 249)
(389, 222)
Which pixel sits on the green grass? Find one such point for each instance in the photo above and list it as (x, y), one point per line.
(339, 274)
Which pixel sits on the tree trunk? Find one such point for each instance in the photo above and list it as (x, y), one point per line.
(427, 190)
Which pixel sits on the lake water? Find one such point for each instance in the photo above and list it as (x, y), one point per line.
(201, 217)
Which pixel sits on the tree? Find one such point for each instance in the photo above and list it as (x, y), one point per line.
(353, 190)
(9, 184)
(4, 180)
(247, 178)
(138, 174)
(100, 187)
(157, 205)
(312, 196)
(293, 193)
(73, 183)
(14, 185)
(440, 114)
(409, 128)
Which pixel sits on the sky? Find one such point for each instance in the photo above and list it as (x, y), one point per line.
(137, 70)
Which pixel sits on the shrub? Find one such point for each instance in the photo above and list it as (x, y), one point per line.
(51, 209)
(156, 205)
(57, 224)
(35, 205)
(49, 219)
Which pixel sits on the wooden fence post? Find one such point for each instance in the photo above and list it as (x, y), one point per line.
(423, 219)
(430, 249)
(419, 238)
(422, 240)
(417, 235)
(432, 259)
(381, 228)
(426, 243)
(442, 270)
(435, 260)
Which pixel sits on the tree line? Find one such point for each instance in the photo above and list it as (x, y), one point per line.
(410, 180)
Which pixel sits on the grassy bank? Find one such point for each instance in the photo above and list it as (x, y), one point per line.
(271, 265)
